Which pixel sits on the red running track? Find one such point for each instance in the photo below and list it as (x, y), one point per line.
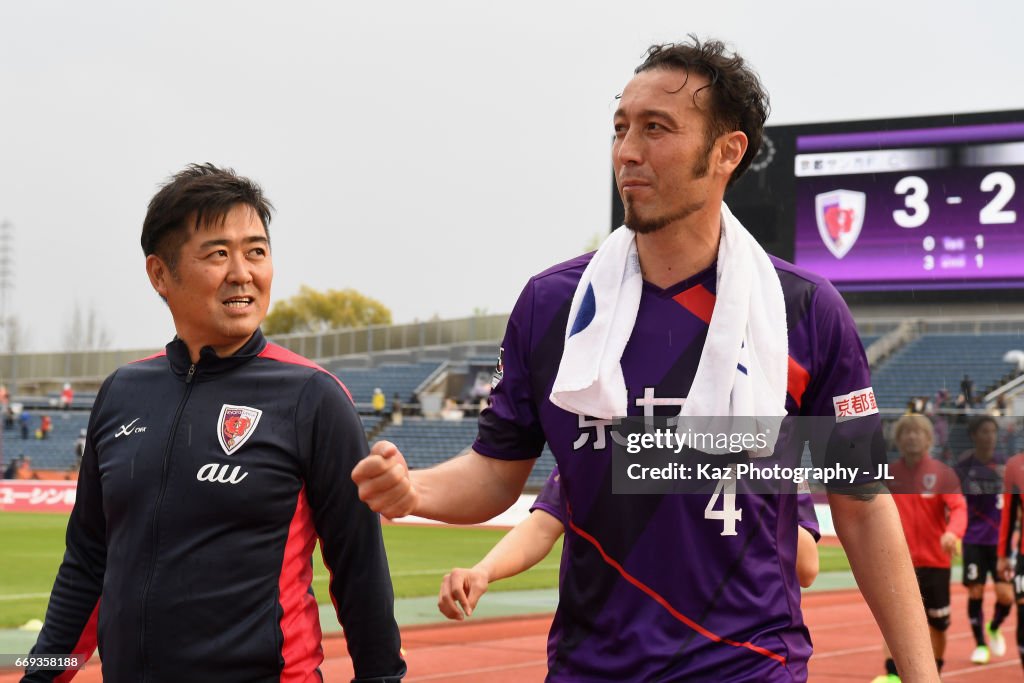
(847, 647)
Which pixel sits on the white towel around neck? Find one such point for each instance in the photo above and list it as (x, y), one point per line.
(744, 365)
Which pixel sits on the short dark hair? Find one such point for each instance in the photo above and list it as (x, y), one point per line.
(202, 191)
(738, 100)
(976, 422)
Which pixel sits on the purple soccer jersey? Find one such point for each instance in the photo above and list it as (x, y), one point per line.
(550, 500)
(550, 497)
(806, 516)
(982, 485)
(653, 587)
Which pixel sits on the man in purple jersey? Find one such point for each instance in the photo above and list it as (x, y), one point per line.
(674, 587)
(532, 539)
(981, 477)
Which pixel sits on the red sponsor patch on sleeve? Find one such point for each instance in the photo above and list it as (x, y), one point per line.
(855, 404)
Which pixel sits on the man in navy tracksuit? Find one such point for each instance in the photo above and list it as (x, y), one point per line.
(209, 473)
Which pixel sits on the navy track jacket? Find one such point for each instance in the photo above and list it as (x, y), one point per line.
(203, 490)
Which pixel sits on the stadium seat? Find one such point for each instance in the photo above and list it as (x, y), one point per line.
(426, 443)
(939, 361)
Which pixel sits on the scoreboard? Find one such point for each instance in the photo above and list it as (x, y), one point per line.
(926, 206)
(921, 208)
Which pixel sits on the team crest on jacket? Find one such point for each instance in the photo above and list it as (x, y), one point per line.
(235, 425)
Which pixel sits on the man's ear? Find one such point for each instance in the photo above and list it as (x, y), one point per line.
(159, 274)
(732, 146)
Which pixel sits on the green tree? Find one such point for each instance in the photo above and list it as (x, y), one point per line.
(313, 311)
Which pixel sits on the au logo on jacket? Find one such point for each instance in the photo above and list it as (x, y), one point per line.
(235, 425)
(221, 474)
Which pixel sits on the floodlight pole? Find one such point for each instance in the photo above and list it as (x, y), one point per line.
(9, 329)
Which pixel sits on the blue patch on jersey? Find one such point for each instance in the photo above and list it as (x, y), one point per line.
(742, 369)
(585, 315)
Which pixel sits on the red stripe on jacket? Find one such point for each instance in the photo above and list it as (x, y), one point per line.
(301, 648)
(279, 353)
(85, 646)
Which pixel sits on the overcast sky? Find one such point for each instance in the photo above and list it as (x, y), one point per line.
(432, 155)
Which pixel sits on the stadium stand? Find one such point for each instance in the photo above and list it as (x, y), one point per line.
(426, 443)
(370, 423)
(916, 355)
(937, 361)
(82, 401)
(57, 451)
(392, 378)
(868, 339)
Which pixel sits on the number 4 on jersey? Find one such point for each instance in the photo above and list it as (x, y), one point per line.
(729, 514)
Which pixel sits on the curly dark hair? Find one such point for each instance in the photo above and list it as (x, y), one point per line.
(738, 100)
(203, 193)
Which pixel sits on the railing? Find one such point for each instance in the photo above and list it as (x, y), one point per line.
(36, 373)
(430, 379)
(979, 324)
(379, 338)
(42, 372)
(1011, 388)
(905, 332)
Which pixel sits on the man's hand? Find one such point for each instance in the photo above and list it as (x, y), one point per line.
(461, 588)
(1004, 569)
(950, 544)
(384, 483)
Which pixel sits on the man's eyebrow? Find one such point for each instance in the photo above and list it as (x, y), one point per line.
(648, 114)
(254, 239)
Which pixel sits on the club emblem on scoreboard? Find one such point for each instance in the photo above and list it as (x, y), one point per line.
(840, 216)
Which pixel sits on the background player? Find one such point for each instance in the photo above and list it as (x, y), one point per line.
(526, 544)
(981, 477)
(933, 513)
(1010, 523)
(531, 540)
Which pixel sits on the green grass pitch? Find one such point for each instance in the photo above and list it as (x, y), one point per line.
(33, 546)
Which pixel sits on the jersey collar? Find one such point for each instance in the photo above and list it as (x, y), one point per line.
(210, 364)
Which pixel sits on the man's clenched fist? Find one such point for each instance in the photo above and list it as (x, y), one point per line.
(384, 483)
